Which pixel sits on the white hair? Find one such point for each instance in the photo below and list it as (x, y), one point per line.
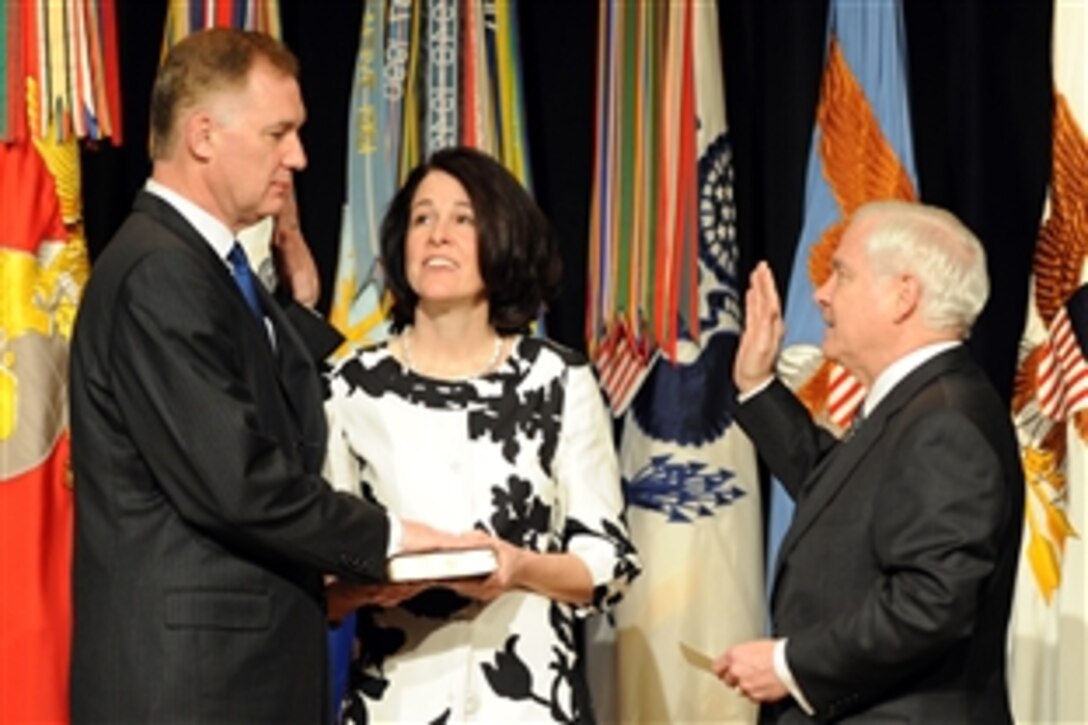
(936, 248)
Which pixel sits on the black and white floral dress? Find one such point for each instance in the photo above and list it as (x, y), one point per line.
(524, 452)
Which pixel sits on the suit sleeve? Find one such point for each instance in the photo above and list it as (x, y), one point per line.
(320, 337)
(936, 529)
(787, 439)
(187, 381)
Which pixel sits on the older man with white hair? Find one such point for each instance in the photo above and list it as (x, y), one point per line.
(894, 582)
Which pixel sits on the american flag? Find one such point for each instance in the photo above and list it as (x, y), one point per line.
(1063, 371)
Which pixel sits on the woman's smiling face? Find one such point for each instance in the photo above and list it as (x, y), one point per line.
(442, 260)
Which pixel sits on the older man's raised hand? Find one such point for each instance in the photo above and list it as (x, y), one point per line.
(763, 330)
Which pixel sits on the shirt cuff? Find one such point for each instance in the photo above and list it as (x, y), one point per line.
(745, 397)
(782, 670)
(396, 536)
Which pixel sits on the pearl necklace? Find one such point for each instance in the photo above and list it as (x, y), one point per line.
(406, 358)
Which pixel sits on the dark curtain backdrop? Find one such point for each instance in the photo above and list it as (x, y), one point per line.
(980, 85)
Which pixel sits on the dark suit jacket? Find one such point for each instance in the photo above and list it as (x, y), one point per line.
(202, 523)
(894, 582)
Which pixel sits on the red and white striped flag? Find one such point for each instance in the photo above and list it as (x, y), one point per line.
(622, 364)
(1063, 372)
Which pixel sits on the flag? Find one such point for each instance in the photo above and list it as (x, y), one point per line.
(1050, 407)
(861, 151)
(642, 285)
(690, 476)
(42, 271)
(442, 61)
(374, 156)
(60, 83)
(622, 364)
(186, 16)
(59, 61)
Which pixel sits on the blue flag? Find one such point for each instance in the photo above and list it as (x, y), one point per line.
(864, 88)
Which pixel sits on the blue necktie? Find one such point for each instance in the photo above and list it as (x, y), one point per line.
(243, 276)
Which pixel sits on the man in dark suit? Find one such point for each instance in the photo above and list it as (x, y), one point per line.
(894, 582)
(203, 527)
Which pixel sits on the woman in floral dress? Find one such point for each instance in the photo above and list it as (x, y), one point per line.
(465, 422)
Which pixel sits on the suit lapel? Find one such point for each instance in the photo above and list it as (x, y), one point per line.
(174, 222)
(294, 369)
(170, 218)
(827, 480)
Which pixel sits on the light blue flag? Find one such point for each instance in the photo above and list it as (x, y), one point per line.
(374, 131)
(872, 38)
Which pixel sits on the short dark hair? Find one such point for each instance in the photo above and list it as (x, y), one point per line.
(206, 61)
(518, 254)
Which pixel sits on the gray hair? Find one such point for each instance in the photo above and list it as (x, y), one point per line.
(937, 249)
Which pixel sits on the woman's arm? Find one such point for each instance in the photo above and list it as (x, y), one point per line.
(596, 560)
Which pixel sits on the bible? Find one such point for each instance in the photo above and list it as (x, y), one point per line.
(452, 564)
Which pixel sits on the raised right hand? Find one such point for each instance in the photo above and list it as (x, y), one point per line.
(763, 330)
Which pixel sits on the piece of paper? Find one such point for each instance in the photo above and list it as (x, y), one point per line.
(697, 659)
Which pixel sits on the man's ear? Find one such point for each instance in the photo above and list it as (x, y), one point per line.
(908, 296)
(198, 130)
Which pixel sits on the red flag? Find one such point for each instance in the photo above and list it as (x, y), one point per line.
(39, 287)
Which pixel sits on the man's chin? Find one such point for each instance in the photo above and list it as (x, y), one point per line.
(272, 205)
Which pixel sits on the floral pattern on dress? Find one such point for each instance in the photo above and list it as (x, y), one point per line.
(525, 453)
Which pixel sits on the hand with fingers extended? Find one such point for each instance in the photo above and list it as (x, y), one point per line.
(763, 330)
(419, 537)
